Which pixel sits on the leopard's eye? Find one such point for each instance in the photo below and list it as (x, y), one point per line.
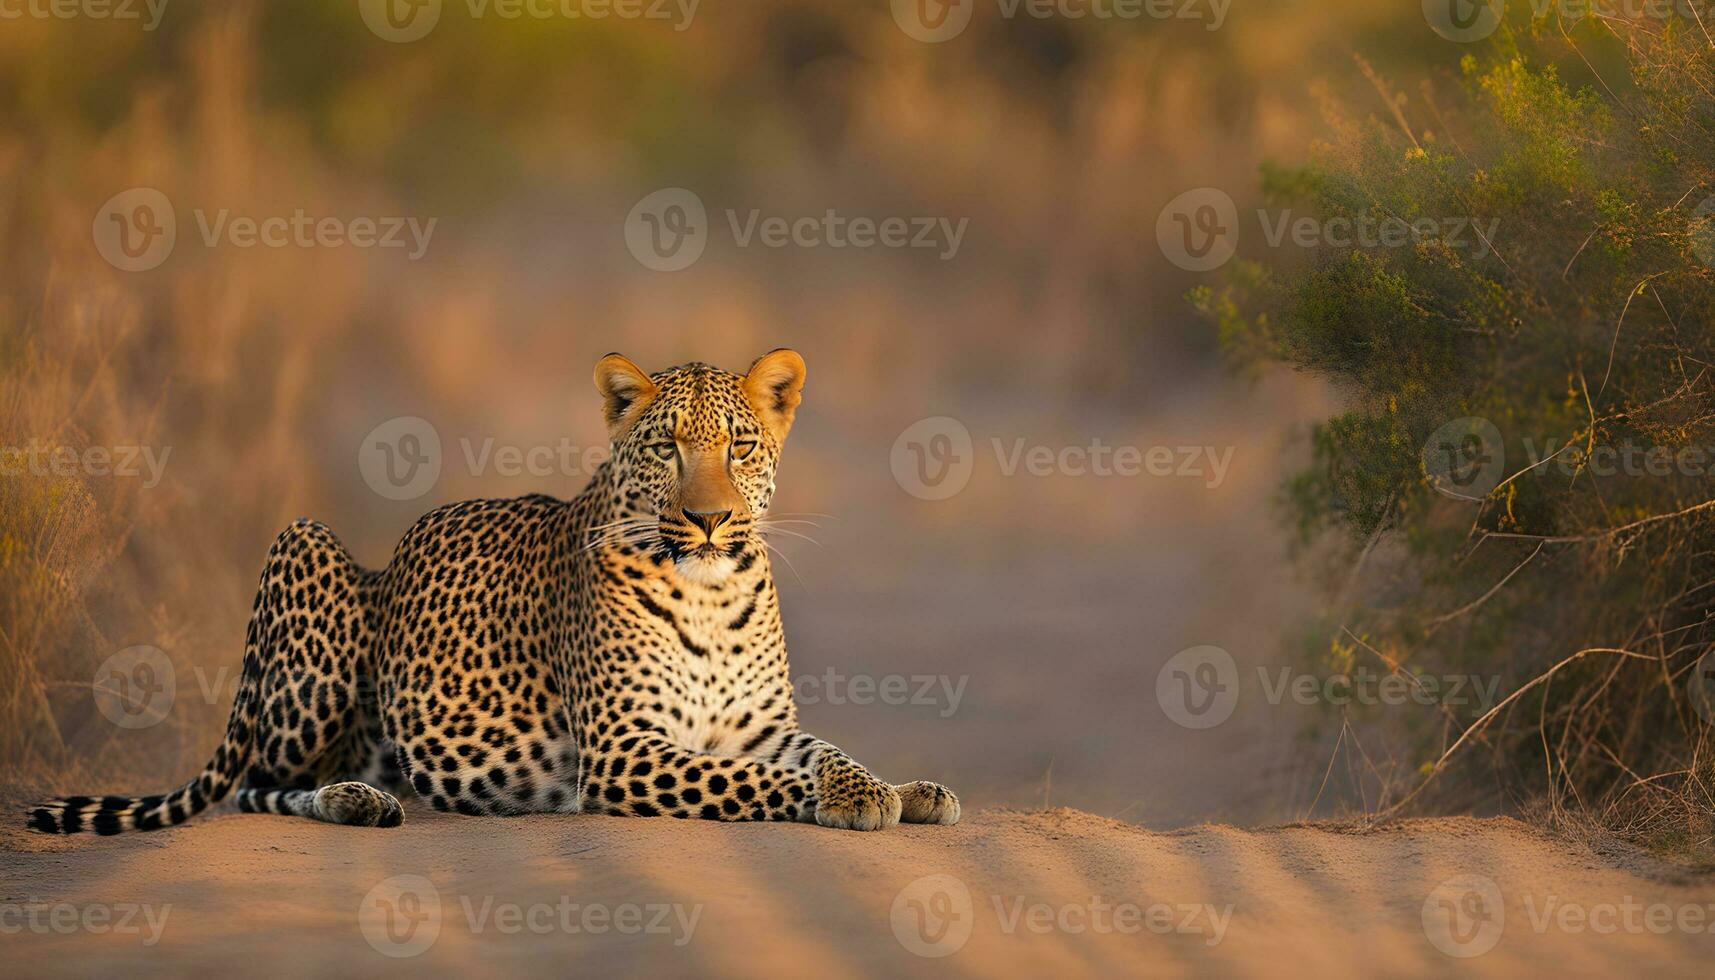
(664, 450)
(743, 448)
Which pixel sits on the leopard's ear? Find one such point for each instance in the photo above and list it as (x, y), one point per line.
(625, 390)
(775, 386)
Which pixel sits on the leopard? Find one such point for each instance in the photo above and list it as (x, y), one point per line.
(620, 652)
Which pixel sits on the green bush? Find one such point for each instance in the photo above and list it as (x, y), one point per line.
(1570, 550)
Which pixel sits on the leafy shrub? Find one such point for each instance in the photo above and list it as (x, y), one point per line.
(1577, 319)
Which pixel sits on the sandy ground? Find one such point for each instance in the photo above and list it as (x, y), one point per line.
(1056, 893)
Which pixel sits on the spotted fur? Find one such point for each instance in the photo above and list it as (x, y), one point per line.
(620, 652)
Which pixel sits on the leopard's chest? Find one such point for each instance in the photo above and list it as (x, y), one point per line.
(712, 666)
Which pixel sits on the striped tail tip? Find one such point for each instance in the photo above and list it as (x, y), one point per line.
(107, 815)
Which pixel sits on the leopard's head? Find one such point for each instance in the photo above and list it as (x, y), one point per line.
(694, 454)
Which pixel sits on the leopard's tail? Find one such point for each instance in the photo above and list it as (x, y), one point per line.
(119, 814)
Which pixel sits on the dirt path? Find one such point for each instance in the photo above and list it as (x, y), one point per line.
(1053, 893)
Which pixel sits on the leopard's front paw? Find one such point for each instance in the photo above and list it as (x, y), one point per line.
(926, 802)
(858, 804)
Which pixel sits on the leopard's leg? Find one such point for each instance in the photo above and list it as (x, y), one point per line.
(848, 796)
(467, 759)
(360, 802)
(645, 774)
(319, 722)
(309, 630)
(794, 776)
(382, 769)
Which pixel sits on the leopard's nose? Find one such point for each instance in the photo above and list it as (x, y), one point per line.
(708, 520)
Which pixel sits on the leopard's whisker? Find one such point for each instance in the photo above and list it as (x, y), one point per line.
(621, 521)
(621, 536)
(616, 543)
(788, 561)
(795, 534)
(629, 522)
(621, 528)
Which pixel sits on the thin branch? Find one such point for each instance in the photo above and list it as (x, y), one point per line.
(1437, 622)
(1599, 535)
(1488, 716)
